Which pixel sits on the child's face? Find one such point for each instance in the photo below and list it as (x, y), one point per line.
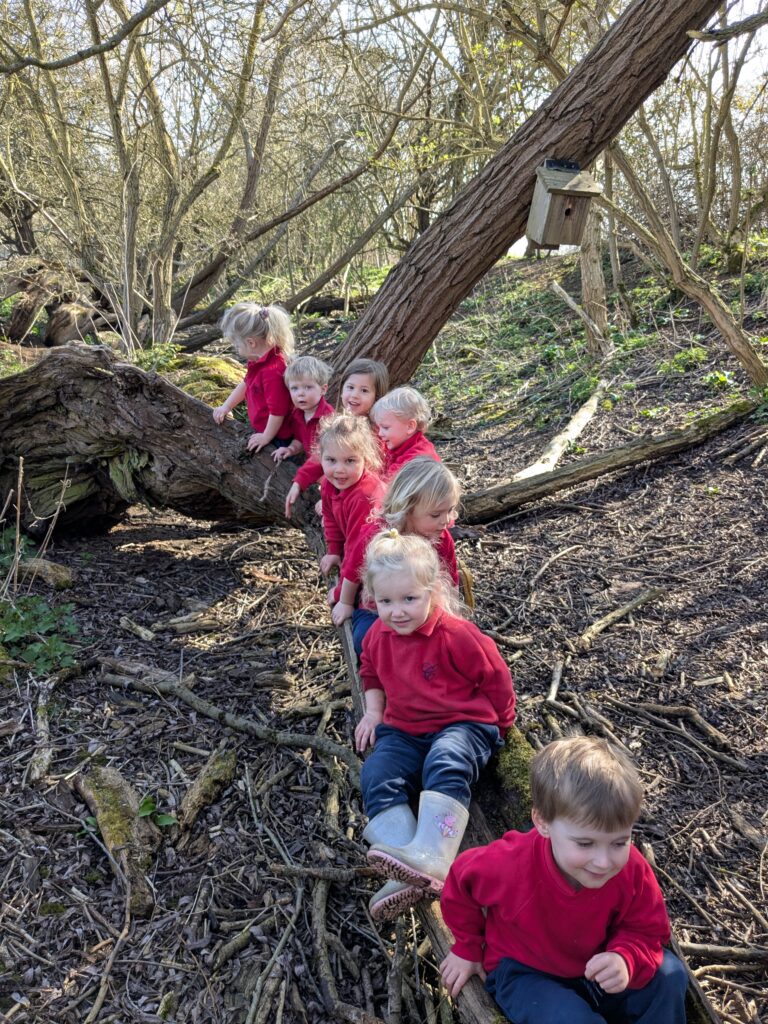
(429, 521)
(587, 857)
(358, 394)
(341, 465)
(402, 604)
(306, 394)
(393, 430)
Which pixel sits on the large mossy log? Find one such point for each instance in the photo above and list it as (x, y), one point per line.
(97, 435)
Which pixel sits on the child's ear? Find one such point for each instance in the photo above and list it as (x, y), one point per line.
(323, 388)
(542, 826)
(413, 426)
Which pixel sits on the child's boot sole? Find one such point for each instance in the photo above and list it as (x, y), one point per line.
(390, 867)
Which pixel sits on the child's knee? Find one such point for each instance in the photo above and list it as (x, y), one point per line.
(672, 974)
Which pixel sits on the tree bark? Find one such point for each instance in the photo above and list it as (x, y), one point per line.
(578, 120)
(97, 435)
(593, 287)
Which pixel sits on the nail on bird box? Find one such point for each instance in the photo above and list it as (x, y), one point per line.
(560, 204)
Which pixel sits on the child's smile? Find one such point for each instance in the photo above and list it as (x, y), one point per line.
(401, 602)
(393, 430)
(341, 466)
(587, 857)
(358, 394)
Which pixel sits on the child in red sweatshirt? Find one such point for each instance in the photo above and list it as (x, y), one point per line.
(365, 380)
(438, 698)
(350, 489)
(401, 418)
(567, 922)
(263, 336)
(307, 381)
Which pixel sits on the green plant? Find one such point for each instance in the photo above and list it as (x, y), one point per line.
(683, 361)
(719, 380)
(148, 809)
(162, 358)
(33, 633)
(9, 546)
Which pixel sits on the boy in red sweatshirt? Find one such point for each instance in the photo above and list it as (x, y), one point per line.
(307, 381)
(567, 923)
(401, 417)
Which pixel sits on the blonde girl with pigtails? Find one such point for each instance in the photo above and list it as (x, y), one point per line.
(438, 700)
(263, 336)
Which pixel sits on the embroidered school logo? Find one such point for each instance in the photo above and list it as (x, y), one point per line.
(447, 826)
(429, 671)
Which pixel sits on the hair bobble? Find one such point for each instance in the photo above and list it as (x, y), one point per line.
(264, 313)
(391, 534)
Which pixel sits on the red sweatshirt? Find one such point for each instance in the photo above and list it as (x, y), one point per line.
(305, 430)
(446, 552)
(345, 522)
(417, 444)
(265, 391)
(533, 915)
(444, 672)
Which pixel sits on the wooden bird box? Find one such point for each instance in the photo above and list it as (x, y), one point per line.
(560, 204)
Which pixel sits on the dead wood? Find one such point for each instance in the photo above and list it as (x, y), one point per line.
(117, 435)
(494, 502)
(130, 840)
(148, 680)
(600, 625)
(216, 774)
(561, 293)
(58, 576)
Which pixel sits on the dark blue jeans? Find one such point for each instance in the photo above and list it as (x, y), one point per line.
(362, 620)
(527, 996)
(449, 761)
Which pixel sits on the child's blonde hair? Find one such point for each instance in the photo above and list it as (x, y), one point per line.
(308, 368)
(407, 404)
(250, 320)
(587, 780)
(391, 551)
(378, 373)
(352, 432)
(422, 481)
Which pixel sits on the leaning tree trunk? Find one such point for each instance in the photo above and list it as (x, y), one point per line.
(83, 436)
(577, 121)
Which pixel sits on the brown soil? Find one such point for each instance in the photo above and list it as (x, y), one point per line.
(681, 681)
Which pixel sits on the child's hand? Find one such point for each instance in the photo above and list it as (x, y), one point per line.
(455, 972)
(319, 507)
(256, 442)
(220, 413)
(282, 453)
(610, 972)
(365, 732)
(291, 498)
(341, 612)
(327, 562)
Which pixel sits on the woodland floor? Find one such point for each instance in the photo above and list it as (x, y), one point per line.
(695, 525)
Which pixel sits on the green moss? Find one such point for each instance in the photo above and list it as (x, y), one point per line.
(116, 819)
(122, 469)
(52, 909)
(512, 771)
(93, 876)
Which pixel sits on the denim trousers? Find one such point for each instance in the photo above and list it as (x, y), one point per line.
(362, 620)
(448, 761)
(528, 996)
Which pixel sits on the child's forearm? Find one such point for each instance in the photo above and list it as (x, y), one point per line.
(295, 447)
(347, 591)
(237, 396)
(270, 431)
(375, 701)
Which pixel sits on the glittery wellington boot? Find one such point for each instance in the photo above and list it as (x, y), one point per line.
(425, 860)
(398, 826)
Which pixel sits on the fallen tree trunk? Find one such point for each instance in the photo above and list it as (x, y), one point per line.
(84, 436)
(484, 506)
